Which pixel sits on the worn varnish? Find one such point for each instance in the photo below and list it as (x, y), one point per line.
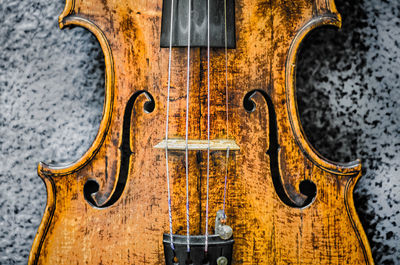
(264, 203)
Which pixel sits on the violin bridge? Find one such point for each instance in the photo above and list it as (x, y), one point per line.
(215, 145)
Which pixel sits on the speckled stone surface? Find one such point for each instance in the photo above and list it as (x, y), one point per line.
(51, 97)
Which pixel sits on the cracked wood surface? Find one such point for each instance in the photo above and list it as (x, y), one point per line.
(266, 230)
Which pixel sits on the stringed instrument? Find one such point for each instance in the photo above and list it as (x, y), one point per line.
(200, 157)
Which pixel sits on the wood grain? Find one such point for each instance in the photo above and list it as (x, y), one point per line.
(266, 230)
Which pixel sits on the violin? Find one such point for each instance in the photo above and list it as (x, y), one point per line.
(200, 157)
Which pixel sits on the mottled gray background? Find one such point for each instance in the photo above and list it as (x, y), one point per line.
(51, 98)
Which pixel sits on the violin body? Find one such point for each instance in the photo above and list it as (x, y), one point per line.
(286, 204)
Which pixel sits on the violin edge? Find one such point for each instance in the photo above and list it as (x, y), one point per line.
(47, 171)
(66, 19)
(355, 220)
(46, 219)
(68, 9)
(352, 168)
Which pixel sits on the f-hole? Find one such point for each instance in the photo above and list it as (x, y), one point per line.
(307, 188)
(91, 186)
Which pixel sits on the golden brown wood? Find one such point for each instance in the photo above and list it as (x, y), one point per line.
(266, 230)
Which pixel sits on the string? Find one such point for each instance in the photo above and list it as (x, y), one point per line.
(208, 119)
(166, 128)
(226, 178)
(187, 132)
(227, 108)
